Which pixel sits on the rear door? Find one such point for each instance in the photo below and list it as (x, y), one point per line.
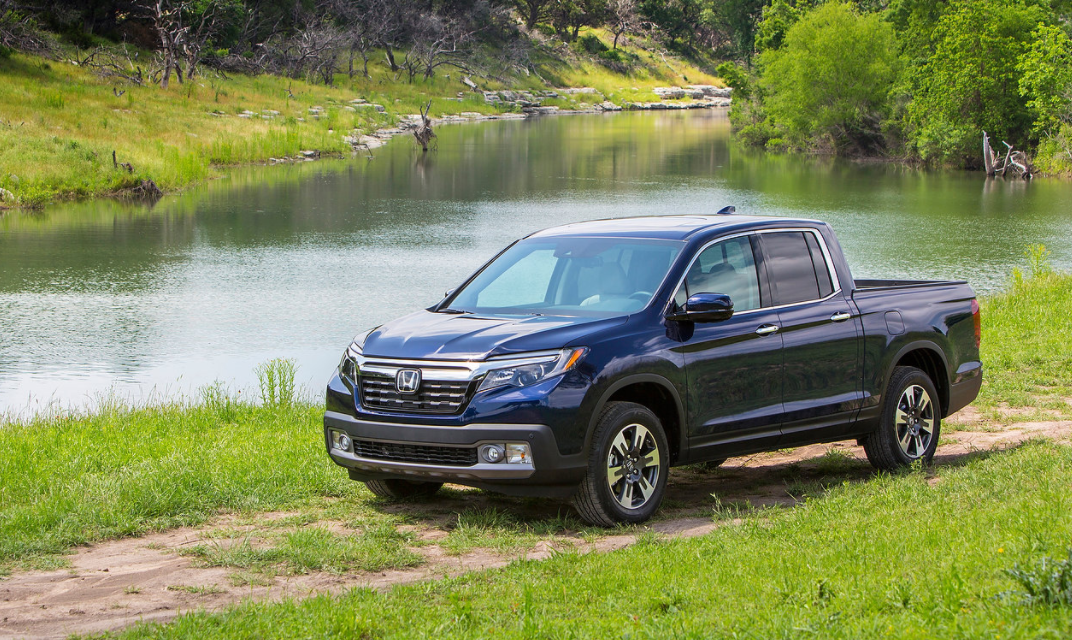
(822, 373)
(733, 367)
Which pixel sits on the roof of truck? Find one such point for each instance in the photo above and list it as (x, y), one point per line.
(664, 227)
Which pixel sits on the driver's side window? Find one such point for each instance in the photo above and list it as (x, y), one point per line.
(727, 267)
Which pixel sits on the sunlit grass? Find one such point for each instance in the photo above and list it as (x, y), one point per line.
(895, 557)
(1026, 351)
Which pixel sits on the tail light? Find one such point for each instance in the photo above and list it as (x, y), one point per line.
(977, 319)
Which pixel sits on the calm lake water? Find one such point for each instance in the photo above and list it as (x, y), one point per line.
(101, 297)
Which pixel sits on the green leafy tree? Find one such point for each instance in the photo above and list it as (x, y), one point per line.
(778, 17)
(970, 83)
(1046, 78)
(831, 79)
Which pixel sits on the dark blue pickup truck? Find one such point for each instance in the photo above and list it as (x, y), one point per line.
(586, 360)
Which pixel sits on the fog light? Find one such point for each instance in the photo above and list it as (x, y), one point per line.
(517, 453)
(492, 452)
(340, 441)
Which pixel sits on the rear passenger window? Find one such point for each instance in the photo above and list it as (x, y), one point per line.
(822, 274)
(791, 269)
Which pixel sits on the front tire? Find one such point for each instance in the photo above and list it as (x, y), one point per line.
(910, 422)
(627, 467)
(401, 489)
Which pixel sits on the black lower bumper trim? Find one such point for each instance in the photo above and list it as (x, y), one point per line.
(437, 450)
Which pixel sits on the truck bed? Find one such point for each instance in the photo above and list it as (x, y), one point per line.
(900, 284)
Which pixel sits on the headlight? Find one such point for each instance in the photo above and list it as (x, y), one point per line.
(348, 364)
(522, 371)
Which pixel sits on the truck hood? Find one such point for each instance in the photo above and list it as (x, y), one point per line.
(444, 336)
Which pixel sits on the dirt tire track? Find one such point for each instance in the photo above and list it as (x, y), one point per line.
(115, 584)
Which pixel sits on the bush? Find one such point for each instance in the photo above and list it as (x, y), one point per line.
(832, 78)
(592, 44)
(735, 76)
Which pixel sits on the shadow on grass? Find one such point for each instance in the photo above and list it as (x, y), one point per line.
(737, 489)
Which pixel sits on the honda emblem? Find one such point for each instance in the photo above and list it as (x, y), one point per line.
(408, 380)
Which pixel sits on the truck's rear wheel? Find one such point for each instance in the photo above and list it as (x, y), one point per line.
(397, 489)
(910, 422)
(627, 467)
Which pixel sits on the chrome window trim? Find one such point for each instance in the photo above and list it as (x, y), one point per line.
(822, 245)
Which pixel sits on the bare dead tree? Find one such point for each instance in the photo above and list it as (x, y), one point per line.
(313, 50)
(19, 31)
(622, 18)
(167, 22)
(1016, 161)
(391, 23)
(424, 133)
(440, 41)
(110, 65)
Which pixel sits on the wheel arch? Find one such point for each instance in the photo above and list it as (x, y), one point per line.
(657, 394)
(927, 357)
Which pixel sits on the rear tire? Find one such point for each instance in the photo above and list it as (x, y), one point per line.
(910, 422)
(628, 465)
(400, 489)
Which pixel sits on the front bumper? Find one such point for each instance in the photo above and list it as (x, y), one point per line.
(547, 473)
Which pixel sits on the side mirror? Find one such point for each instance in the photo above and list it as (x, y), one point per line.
(705, 307)
(449, 292)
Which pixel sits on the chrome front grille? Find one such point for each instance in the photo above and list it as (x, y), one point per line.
(416, 453)
(433, 396)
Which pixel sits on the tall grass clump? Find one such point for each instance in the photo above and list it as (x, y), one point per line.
(276, 379)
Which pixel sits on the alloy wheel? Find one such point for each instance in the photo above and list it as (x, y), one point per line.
(633, 466)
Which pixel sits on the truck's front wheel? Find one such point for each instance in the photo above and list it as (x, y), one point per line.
(910, 422)
(627, 467)
(397, 489)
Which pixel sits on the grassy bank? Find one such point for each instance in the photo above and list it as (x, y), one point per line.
(1026, 352)
(897, 557)
(60, 123)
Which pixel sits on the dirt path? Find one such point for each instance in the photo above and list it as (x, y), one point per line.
(116, 584)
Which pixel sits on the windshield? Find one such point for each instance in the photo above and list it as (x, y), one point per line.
(598, 277)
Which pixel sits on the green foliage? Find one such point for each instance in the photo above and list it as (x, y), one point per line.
(735, 76)
(832, 77)
(778, 17)
(970, 83)
(1046, 78)
(1048, 583)
(592, 44)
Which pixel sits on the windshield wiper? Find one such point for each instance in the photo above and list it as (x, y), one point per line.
(454, 311)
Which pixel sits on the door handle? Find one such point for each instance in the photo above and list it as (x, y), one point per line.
(766, 329)
(840, 316)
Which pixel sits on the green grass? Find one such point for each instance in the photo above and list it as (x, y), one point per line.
(1026, 351)
(893, 557)
(59, 122)
(119, 472)
(312, 548)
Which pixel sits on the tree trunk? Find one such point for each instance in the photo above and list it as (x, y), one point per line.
(390, 57)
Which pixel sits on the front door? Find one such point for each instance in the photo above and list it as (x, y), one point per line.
(733, 367)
